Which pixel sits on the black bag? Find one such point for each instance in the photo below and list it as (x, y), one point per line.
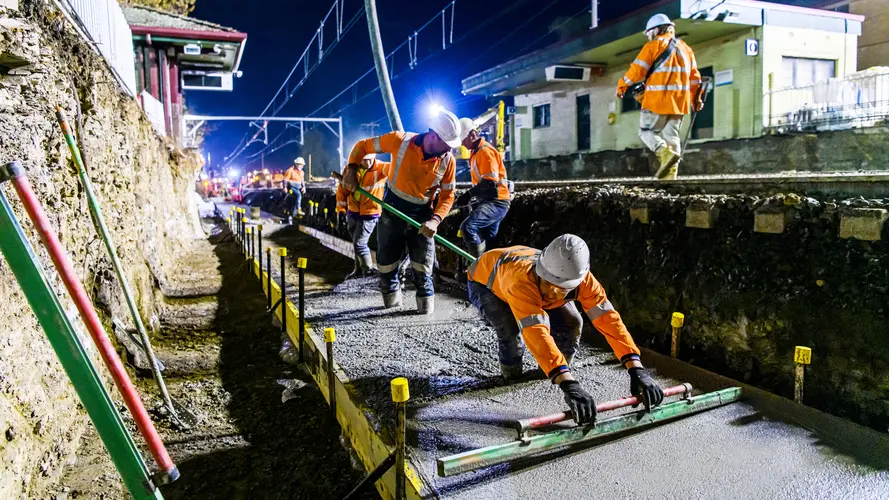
(637, 90)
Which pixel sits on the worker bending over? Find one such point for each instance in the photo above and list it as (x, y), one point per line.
(362, 213)
(667, 68)
(489, 187)
(521, 288)
(422, 167)
(295, 184)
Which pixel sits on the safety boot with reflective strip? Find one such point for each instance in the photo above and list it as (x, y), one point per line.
(391, 300)
(426, 305)
(667, 159)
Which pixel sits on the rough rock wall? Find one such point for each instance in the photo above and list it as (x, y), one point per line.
(143, 186)
(843, 151)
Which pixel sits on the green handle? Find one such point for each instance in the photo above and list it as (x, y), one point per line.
(398, 213)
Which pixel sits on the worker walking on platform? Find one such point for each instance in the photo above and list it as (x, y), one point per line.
(422, 167)
(362, 213)
(489, 187)
(664, 77)
(521, 290)
(295, 184)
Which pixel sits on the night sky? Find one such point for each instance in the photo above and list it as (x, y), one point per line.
(279, 30)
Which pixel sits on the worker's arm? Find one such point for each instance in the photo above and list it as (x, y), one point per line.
(448, 185)
(598, 308)
(639, 67)
(694, 80)
(386, 143)
(527, 307)
(342, 202)
(489, 175)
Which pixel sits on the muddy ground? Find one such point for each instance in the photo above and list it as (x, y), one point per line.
(247, 443)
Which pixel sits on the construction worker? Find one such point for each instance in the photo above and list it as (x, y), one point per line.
(489, 187)
(295, 183)
(422, 166)
(667, 68)
(523, 288)
(362, 213)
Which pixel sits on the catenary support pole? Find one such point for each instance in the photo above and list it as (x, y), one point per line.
(400, 395)
(376, 45)
(301, 271)
(49, 311)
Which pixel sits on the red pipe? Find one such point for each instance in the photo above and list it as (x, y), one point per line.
(91, 319)
(536, 422)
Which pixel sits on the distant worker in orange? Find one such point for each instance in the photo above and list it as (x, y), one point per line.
(521, 290)
(362, 213)
(295, 184)
(422, 168)
(490, 189)
(665, 77)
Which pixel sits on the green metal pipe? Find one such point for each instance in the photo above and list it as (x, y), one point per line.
(581, 435)
(401, 215)
(102, 229)
(75, 361)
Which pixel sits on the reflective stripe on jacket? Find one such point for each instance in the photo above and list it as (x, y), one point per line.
(412, 178)
(671, 86)
(509, 274)
(486, 163)
(373, 181)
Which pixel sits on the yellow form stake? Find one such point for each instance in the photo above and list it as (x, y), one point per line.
(802, 356)
(400, 396)
(676, 322)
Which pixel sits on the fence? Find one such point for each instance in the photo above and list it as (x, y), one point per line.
(101, 22)
(857, 100)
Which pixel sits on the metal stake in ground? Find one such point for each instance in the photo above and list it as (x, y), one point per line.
(283, 253)
(259, 248)
(400, 395)
(329, 339)
(268, 276)
(802, 356)
(301, 270)
(676, 322)
(248, 248)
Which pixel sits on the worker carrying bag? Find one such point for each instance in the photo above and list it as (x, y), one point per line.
(637, 90)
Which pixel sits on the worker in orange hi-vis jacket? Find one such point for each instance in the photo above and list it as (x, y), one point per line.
(295, 184)
(529, 297)
(666, 74)
(422, 168)
(362, 213)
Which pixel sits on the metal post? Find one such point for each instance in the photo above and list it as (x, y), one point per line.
(268, 277)
(400, 395)
(594, 13)
(259, 247)
(342, 152)
(283, 253)
(376, 44)
(329, 339)
(676, 322)
(301, 270)
(802, 356)
(248, 254)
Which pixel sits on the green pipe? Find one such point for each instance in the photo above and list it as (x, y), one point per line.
(102, 229)
(398, 213)
(578, 436)
(75, 361)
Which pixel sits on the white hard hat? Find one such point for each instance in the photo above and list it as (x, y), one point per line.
(447, 126)
(658, 20)
(466, 126)
(299, 161)
(370, 156)
(564, 262)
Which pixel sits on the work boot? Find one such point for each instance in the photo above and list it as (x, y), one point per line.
(673, 174)
(367, 264)
(426, 305)
(510, 372)
(667, 158)
(391, 300)
(477, 250)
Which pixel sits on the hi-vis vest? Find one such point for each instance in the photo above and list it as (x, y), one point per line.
(490, 167)
(403, 189)
(371, 180)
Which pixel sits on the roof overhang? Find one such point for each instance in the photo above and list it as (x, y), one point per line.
(696, 21)
(224, 49)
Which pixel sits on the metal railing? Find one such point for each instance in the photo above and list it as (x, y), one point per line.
(102, 24)
(855, 101)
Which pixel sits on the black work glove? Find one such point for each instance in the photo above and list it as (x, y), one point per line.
(642, 385)
(464, 198)
(582, 404)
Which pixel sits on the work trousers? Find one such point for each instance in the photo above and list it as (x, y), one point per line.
(361, 229)
(297, 199)
(393, 234)
(565, 325)
(657, 131)
(483, 223)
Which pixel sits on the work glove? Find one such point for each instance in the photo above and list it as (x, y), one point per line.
(430, 227)
(620, 93)
(642, 385)
(581, 403)
(699, 104)
(464, 198)
(350, 178)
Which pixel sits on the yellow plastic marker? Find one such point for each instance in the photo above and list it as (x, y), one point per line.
(249, 230)
(228, 220)
(282, 252)
(802, 356)
(400, 391)
(329, 335)
(678, 320)
(259, 227)
(301, 262)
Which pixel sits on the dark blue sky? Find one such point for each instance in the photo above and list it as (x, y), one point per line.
(278, 31)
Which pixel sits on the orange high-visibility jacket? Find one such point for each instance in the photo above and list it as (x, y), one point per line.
(412, 178)
(295, 175)
(509, 274)
(671, 87)
(372, 180)
(486, 163)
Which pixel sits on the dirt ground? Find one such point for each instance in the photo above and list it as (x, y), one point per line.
(247, 443)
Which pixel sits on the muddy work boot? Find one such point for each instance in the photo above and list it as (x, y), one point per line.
(426, 305)
(667, 159)
(391, 300)
(510, 372)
